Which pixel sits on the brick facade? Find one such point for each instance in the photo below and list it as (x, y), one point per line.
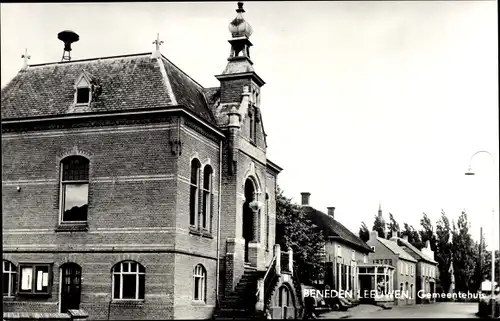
(139, 139)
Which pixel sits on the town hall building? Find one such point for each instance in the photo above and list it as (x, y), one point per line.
(130, 191)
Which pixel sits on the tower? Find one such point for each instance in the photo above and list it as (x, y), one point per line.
(239, 71)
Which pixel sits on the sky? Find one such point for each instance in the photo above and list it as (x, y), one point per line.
(365, 103)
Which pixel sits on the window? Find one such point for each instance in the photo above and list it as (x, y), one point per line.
(252, 115)
(200, 283)
(339, 251)
(365, 258)
(82, 90)
(401, 287)
(267, 221)
(401, 268)
(207, 197)
(411, 291)
(34, 278)
(353, 256)
(407, 268)
(74, 189)
(83, 95)
(8, 279)
(373, 248)
(128, 281)
(193, 200)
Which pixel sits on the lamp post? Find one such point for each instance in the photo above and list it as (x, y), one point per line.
(471, 172)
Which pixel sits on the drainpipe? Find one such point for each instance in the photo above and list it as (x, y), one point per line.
(218, 228)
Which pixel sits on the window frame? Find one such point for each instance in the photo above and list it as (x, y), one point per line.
(121, 273)
(12, 278)
(194, 198)
(339, 251)
(207, 198)
(34, 280)
(199, 279)
(82, 83)
(62, 189)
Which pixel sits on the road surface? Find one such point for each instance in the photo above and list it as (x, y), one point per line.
(436, 310)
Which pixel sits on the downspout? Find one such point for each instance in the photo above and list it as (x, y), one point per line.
(218, 228)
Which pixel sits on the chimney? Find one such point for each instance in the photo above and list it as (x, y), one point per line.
(405, 237)
(373, 235)
(331, 211)
(305, 198)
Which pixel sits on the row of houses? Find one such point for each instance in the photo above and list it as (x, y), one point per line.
(382, 271)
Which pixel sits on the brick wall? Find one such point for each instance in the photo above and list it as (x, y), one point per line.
(138, 210)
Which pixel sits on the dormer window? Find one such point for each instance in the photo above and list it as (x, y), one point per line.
(83, 89)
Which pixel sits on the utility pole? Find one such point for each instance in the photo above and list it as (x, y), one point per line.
(480, 274)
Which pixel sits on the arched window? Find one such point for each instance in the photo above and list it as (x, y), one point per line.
(194, 193)
(207, 196)
(8, 279)
(128, 281)
(200, 283)
(74, 189)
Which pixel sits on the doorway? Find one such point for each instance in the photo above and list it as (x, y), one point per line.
(286, 303)
(248, 228)
(71, 281)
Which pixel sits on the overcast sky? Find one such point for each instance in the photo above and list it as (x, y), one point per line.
(364, 102)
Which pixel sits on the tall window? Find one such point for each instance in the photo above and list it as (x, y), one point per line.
(128, 281)
(267, 221)
(193, 199)
(200, 283)
(207, 196)
(74, 189)
(8, 279)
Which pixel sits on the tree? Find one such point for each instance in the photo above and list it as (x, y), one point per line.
(413, 236)
(443, 252)
(364, 232)
(393, 227)
(427, 231)
(379, 226)
(295, 230)
(464, 254)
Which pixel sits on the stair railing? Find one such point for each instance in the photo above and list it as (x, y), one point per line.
(274, 269)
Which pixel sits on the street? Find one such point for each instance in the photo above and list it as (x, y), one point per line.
(436, 310)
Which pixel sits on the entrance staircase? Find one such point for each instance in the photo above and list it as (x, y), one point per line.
(240, 304)
(252, 296)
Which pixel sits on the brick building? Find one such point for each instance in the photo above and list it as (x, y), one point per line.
(402, 274)
(130, 191)
(427, 269)
(344, 251)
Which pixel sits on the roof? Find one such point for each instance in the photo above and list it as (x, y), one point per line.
(396, 249)
(419, 253)
(127, 83)
(334, 228)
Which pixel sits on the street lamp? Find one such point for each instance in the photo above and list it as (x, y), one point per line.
(469, 173)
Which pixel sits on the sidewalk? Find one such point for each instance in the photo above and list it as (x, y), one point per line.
(359, 311)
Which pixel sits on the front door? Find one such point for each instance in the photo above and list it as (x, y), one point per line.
(71, 278)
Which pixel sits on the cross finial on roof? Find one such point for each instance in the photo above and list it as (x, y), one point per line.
(157, 42)
(26, 57)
